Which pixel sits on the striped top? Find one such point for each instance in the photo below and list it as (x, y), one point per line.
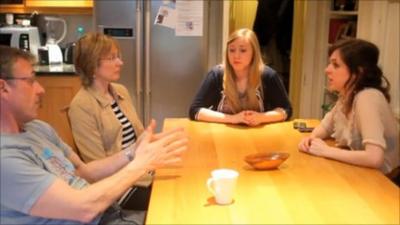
(128, 133)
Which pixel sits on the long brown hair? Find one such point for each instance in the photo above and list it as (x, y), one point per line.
(254, 79)
(361, 57)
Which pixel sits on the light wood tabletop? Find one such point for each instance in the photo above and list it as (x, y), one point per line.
(304, 190)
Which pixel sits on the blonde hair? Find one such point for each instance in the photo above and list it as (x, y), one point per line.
(87, 54)
(254, 79)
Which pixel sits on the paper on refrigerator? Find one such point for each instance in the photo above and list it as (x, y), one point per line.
(186, 18)
(189, 21)
(166, 16)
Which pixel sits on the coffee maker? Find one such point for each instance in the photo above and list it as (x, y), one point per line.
(22, 37)
(55, 55)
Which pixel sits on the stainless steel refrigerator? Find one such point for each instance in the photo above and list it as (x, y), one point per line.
(162, 71)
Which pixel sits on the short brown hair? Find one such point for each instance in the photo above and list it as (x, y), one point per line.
(8, 57)
(87, 53)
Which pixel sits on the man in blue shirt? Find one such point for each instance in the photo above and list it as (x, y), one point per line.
(43, 181)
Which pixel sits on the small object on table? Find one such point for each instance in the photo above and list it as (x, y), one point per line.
(306, 129)
(297, 125)
(266, 160)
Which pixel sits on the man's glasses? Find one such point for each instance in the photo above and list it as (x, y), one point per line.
(31, 80)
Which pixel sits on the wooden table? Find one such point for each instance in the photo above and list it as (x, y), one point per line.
(304, 190)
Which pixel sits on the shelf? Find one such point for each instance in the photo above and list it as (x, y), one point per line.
(341, 24)
(343, 13)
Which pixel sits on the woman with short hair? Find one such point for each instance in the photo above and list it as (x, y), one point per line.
(102, 116)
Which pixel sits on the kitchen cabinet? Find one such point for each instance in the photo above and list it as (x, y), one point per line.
(64, 3)
(11, 2)
(50, 7)
(11, 6)
(59, 91)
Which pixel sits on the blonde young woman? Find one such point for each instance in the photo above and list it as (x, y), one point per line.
(362, 122)
(243, 90)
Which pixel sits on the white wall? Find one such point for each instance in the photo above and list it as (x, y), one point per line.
(379, 23)
(314, 59)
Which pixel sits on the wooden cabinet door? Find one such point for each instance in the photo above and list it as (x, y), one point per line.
(64, 3)
(11, 6)
(11, 2)
(74, 7)
(59, 91)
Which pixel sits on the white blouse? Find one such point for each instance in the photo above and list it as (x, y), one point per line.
(371, 120)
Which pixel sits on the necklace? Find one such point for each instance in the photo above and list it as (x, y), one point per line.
(242, 95)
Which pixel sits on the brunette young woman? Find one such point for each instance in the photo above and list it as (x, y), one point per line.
(361, 122)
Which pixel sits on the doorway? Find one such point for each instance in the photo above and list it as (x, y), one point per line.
(272, 21)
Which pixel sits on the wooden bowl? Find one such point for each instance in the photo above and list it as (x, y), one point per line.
(266, 160)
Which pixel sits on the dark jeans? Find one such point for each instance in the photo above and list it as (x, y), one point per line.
(395, 176)
(137, 199)
(114, 215)
(132, 209)
(396, 180)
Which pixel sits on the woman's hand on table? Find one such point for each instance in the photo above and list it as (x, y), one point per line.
(318, 147)
(237, 118)
(253, 118)
(314, 146)
(304, 144)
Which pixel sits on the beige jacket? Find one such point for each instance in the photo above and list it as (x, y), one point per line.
(96, 130)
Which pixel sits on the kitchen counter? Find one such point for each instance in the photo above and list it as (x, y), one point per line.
(65, 69)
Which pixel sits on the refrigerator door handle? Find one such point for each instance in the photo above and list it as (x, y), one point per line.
(147, 69)
(139, 57)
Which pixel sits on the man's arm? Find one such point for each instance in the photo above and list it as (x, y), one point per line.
(63, 202)
(60, 201)
(99, 169)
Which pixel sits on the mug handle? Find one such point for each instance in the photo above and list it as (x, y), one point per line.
(210, 185)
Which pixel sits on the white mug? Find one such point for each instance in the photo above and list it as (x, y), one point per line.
(222, 185)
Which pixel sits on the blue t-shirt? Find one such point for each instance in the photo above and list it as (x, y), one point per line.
(30, 162)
